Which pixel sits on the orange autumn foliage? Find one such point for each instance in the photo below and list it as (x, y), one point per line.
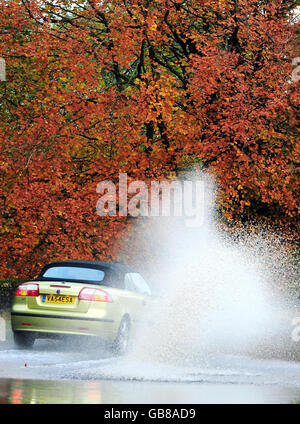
(148, 88)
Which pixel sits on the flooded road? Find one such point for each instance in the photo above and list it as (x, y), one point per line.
(54, 373)
(27, 391)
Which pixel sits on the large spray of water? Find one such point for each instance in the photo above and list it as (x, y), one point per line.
(216, 293)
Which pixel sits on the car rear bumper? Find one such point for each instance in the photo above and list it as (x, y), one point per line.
(63, 324)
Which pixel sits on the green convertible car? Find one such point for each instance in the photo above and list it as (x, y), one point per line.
(89, 298)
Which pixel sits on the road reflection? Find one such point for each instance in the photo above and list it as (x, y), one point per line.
(26, 391)
(23, 391)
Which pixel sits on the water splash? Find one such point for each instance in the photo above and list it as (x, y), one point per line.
(218, 293)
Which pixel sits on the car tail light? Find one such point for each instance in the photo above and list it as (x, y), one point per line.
(96, 295)
(28, 290)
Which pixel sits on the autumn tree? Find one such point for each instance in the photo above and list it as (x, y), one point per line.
(149, 88)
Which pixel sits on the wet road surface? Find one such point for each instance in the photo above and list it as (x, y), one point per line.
(54, 373)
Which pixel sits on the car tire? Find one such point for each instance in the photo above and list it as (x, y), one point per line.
(121, 342)
(23, 340)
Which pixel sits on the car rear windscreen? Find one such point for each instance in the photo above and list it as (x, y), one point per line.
(74, 273)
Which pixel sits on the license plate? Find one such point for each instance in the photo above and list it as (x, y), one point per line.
(57, 298)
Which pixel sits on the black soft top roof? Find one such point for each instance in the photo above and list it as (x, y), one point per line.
(113, 266)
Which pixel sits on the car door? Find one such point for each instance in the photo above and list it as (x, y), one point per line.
(134, 299)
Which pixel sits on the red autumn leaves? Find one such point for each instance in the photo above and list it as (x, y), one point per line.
(148, 88)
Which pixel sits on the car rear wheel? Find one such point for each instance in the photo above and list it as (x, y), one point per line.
(122, 341)
(23, 340)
